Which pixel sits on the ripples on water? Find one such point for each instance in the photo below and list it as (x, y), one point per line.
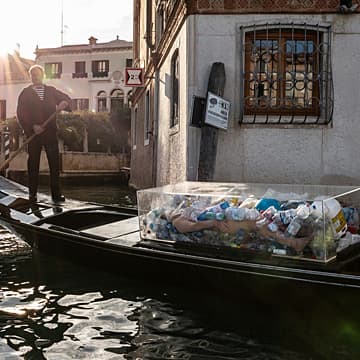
(54, 309)
(51, 309)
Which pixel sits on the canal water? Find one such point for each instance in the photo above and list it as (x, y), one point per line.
(51, 308)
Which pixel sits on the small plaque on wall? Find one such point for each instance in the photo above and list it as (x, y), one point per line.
(217, 111)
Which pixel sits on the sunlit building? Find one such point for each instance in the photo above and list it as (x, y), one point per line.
(92, 74)
(13, 78)
(287, 70)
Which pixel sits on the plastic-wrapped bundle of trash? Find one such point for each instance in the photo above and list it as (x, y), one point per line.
(312, 228)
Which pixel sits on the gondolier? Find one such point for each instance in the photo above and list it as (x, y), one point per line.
(36, 104)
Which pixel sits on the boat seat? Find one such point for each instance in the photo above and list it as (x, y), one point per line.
(114, 229)
(69, 231)
(130, 239)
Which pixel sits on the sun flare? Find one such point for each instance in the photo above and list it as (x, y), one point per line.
(7, 48)
(10, 36)
(20, 30)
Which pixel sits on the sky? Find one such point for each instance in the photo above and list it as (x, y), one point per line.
(27, 24)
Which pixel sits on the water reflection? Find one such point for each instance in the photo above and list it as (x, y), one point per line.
(54, 309)
(12, 247)
(59, 316)
(57, 310)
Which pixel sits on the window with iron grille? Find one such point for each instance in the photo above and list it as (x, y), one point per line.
(100, 68)
(286, 74)
(53, 70)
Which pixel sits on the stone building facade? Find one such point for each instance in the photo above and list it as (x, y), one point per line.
(290, 78)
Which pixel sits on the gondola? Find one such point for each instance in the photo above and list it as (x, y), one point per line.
(110, 237)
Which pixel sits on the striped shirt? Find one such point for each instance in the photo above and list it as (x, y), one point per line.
(40, 90)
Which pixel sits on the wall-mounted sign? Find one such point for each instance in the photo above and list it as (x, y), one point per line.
(217, 111)
(134, 77)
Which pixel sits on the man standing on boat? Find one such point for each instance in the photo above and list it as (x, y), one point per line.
(36, 103)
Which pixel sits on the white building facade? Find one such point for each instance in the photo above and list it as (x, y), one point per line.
(91, 74)
(291, 81)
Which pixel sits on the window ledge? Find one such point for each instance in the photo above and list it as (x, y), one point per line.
(284, 121)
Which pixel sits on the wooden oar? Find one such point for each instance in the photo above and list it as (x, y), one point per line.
(27, 141)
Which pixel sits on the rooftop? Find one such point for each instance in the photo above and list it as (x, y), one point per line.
(91, 46)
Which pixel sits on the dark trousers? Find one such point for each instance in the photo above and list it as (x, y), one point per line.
(52, 153)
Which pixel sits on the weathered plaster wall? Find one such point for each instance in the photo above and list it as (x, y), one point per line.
(279, 154)
(172, 158)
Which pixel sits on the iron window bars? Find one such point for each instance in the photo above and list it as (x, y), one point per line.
(286, 74)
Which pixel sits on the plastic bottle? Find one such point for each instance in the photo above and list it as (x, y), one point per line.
(269, 212)
(294, 227)
(279, 251)
(206, 215)
(272, 226)
(252, 214)
(336, 215)
(352, 219)
(220, 216)
(303, 211)
(284, 216)
(235, 213)
(211, 212)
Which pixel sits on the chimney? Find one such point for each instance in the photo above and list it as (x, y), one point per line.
(92, 40)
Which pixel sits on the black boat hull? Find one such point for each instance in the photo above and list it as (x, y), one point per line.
(224, 276)
(108, 237)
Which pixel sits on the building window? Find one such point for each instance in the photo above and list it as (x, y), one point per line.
(101, 101)
(100, 68)
(134, 128)
(147, 118)
(117, 101)
(2, 109)
(287, 75)
(80, 70)
(160, 21)
(128, 99)
(53, 70)
(174, 116)
(129, 62)
(80, 104)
